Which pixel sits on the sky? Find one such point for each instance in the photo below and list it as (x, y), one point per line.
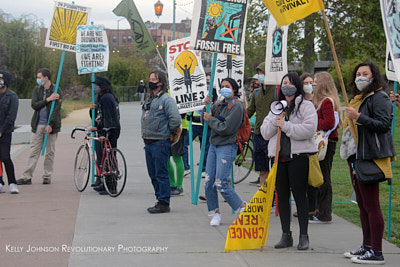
(101, 12)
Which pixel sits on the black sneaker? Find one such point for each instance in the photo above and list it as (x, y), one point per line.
(160, 207)
(24, 181)
(46, 181)
(99, 188)
(369, 258)
(97, 182)
(358, 252)
(256, 183)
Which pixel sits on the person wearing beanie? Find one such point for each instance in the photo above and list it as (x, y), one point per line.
(8, 114)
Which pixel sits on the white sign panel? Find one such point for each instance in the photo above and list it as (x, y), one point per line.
(229, 66)
(390, 72)
(187, 80)
(92, 51)
(62, 31)
(276, 56)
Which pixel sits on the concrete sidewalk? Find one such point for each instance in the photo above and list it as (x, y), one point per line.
(92, 230)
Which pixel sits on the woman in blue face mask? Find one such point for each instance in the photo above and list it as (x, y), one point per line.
(224, 120)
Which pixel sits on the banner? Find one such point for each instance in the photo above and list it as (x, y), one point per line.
(287, 11)
(389, 67)
(92, 51)
(141, 36)
(62, 31)
(229, 66)
(187, 79)
(276, 55)
(219, 26)
(391, 22)
(250, 229)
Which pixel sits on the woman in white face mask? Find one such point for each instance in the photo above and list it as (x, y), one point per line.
(308, 85)
(370, 112)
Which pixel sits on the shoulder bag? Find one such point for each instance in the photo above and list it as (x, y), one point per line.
(367, 172)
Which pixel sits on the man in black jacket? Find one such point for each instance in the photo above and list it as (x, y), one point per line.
(42, 97)
(8, 114)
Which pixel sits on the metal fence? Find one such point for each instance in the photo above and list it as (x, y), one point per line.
(127, 93)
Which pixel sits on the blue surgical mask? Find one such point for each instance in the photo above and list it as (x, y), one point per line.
(1, 84)
(226, 92)
(39, 82)
(96, 90)
(261, 78)
(362, 83)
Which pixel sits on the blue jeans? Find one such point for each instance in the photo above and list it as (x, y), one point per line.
(197, 130)
(219, 163)
(157, 157)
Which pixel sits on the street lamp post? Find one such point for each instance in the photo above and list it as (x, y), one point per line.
(118, 33)
(173, 21)
(158, 8)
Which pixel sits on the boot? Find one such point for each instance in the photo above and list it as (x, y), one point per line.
(303, 242)
(286, 241)
(97, 182)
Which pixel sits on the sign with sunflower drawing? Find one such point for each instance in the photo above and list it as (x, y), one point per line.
(219, 25)
(63, 27)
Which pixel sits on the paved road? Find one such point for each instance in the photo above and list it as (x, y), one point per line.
(67, 228)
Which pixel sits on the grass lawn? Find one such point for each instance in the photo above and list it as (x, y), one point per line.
(69, 105)
(342, 189)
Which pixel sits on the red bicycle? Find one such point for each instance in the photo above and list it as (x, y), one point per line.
(112, 169)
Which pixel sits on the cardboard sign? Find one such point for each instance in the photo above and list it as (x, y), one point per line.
(92, 51)
(229, 66)
(187, 80)
(62, 31)
(219, 26)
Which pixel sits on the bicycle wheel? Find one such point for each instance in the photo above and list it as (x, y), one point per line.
(82, 168)
(242, 166)
(115, 166)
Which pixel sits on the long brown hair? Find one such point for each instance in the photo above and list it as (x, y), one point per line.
(326, 88)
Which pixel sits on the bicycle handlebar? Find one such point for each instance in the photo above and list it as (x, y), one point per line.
(77, 129)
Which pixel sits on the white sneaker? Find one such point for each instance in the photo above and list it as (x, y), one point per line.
(187, 172)
(216, 219)
(2, 190)
(13, 189)
(203, 175)
(242, 209)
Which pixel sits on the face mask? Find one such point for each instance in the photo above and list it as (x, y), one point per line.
(261, 78)
(226, 92)
(288, 90)
(308, 88)
(39, 82)
(362, 83)
(152, 86)
(97, 90)
(1, 84)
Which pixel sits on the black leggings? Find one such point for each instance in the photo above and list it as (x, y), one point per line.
(5, 157)
(293, 176)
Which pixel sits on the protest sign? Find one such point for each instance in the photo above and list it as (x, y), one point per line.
(92, 51)
(187, 80)
(229, 66)
(219, 26)
(276, 55)
(62, 31)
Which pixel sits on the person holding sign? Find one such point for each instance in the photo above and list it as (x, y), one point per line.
(160, 120)
(43, 95)
(225, 119)
(299, 124)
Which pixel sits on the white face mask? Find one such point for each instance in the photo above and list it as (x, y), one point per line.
(362, 83)
(308, 88)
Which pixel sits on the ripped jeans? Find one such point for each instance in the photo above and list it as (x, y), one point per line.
(218, 169)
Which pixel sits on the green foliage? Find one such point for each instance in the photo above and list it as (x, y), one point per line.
(22, 53)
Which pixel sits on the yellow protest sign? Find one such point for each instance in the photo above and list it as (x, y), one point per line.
(287, 11)
(250, 229)
(63, 27)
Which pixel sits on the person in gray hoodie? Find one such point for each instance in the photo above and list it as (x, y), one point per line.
(298, 124)
(224, 120)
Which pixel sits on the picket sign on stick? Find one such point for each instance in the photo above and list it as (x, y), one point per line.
(205, 129)
(390, 180)
(339, 72)
(271, 188)
(93, 125)
(54, 101)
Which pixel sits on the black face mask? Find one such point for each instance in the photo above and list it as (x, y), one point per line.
(152, 86)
